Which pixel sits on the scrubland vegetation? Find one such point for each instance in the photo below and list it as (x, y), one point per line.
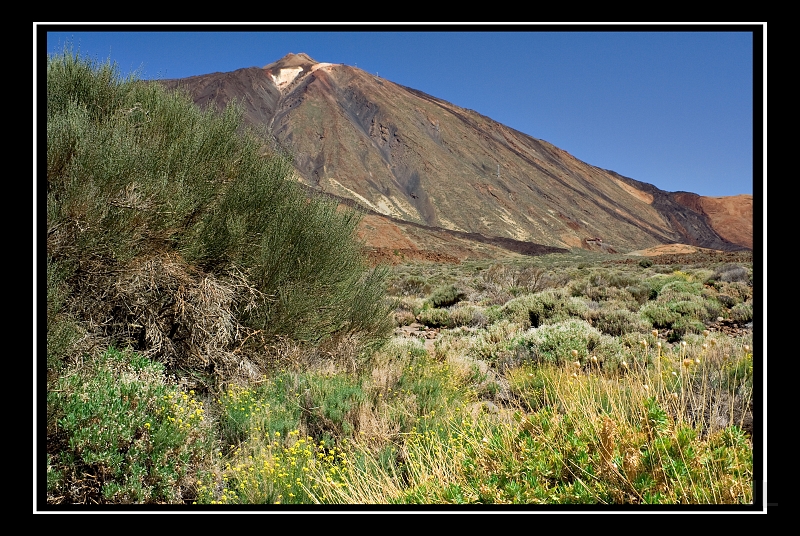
(215, 336)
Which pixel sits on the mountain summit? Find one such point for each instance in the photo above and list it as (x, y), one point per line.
(410, 156)
(290, 68)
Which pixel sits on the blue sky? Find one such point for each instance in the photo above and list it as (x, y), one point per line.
(671, 108)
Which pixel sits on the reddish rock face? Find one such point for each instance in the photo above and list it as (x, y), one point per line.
(407, 156)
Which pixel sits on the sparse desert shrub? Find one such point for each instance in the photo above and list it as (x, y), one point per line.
(518, 279)
(678, 290)
(620, 279)
(554, 343)
(605, 285)
(493, 314)
(492, 343)
(446, 296)
(468, 315)
(618, 321)
(732, 272)
(552, 305)
(579, 287)
(689, 308)
(641, 293)
(435, 318)
(657, 282)
(737, 290)
(683, 326)
(726, 300)
(742, 312)
(645, 263)
(408, 285)
(661, 315)
(62, 330)
(404, 318)
(412, 304)
(712, 309)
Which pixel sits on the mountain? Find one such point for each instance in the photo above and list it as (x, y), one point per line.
(415, 160)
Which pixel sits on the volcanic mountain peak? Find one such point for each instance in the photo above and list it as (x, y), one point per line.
(287, 69)
(408, 155)
(292, 60)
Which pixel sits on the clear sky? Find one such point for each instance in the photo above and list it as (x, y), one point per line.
(671, 106)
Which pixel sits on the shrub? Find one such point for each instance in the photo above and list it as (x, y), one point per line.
(617, 321)
(683, 326)
(468, 315)
(680, 290)
(534, 386)
(435, 318)
(62, 331)
(657, 282)
(554, 343)
(661, 315)
(447, 295)
(135, 171)
(641, 293)
(122, 432)
(742, 312)
(409, 285)
(492, 343)
(645, 263)
(726, 301)
(731, 273)
(737, 290)
(552, 305)
(403, 317)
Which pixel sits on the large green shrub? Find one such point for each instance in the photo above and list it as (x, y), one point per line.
(135, 171)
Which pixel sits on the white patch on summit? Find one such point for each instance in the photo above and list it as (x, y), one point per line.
(286, 76)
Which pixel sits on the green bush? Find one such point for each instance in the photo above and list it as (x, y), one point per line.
(657, 283)
(491, 344)
(534, 385)
(683, 326)
(447, 295)
(552, 305)
(435, 318)
(467, 315)
(121, 432)
(62, 331)
(645, 263)
(135, 170)
(640, 293)
(680, 290)
(617, 321)
(554, 343)
(742, 312)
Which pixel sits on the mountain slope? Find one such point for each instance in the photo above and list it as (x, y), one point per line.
(408, 155)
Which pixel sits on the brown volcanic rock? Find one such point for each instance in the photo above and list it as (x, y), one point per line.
(412, 157)
(731, 217)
